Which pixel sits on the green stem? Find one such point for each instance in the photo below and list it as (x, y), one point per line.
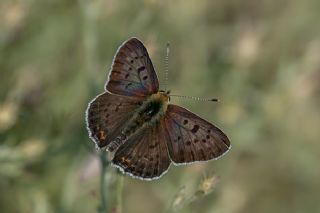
(104, 165)
(119, 193)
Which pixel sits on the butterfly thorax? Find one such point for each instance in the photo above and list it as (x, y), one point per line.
(147, 115)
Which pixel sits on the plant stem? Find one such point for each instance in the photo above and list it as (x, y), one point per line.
(104, 165)
(119, 193)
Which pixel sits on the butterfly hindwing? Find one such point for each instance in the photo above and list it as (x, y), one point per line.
(132, 72)
(193, 138)
(145, 154)
(107, 114)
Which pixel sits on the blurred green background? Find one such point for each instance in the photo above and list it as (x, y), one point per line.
(260, 58)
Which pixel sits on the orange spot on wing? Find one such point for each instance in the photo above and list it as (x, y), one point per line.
(102, 135)
(125, 160)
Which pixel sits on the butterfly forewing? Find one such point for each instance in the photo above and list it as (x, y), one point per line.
(192, 138)
(145, 154)
(107, 115)
(132, 72)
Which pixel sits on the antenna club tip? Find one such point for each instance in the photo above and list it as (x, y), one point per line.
(215, 100)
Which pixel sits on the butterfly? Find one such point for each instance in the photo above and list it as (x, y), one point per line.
(134, 120)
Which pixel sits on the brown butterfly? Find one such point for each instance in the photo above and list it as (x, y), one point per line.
(134, 119)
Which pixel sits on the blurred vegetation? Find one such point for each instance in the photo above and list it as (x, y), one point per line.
(261, 58)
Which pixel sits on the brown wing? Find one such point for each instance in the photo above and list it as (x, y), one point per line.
(107, 115)
(132, 72)
(193, 138)
(145, 154)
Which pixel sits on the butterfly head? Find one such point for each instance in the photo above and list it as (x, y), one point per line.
(165, 95)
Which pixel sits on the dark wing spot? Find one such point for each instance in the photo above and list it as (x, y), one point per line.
(128, 85)
(140, 69)
(185, 122)
(204, 140)
(152, 146)
(179, 137)
(130, 68)
(188, 143)
(126, 76)
(208, 136)
(131, 61)
(195, 129)
(145, 77)
(136, 57)
(196, 140)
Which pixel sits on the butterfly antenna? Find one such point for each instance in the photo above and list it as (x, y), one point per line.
(195, 98)
(166, 68)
